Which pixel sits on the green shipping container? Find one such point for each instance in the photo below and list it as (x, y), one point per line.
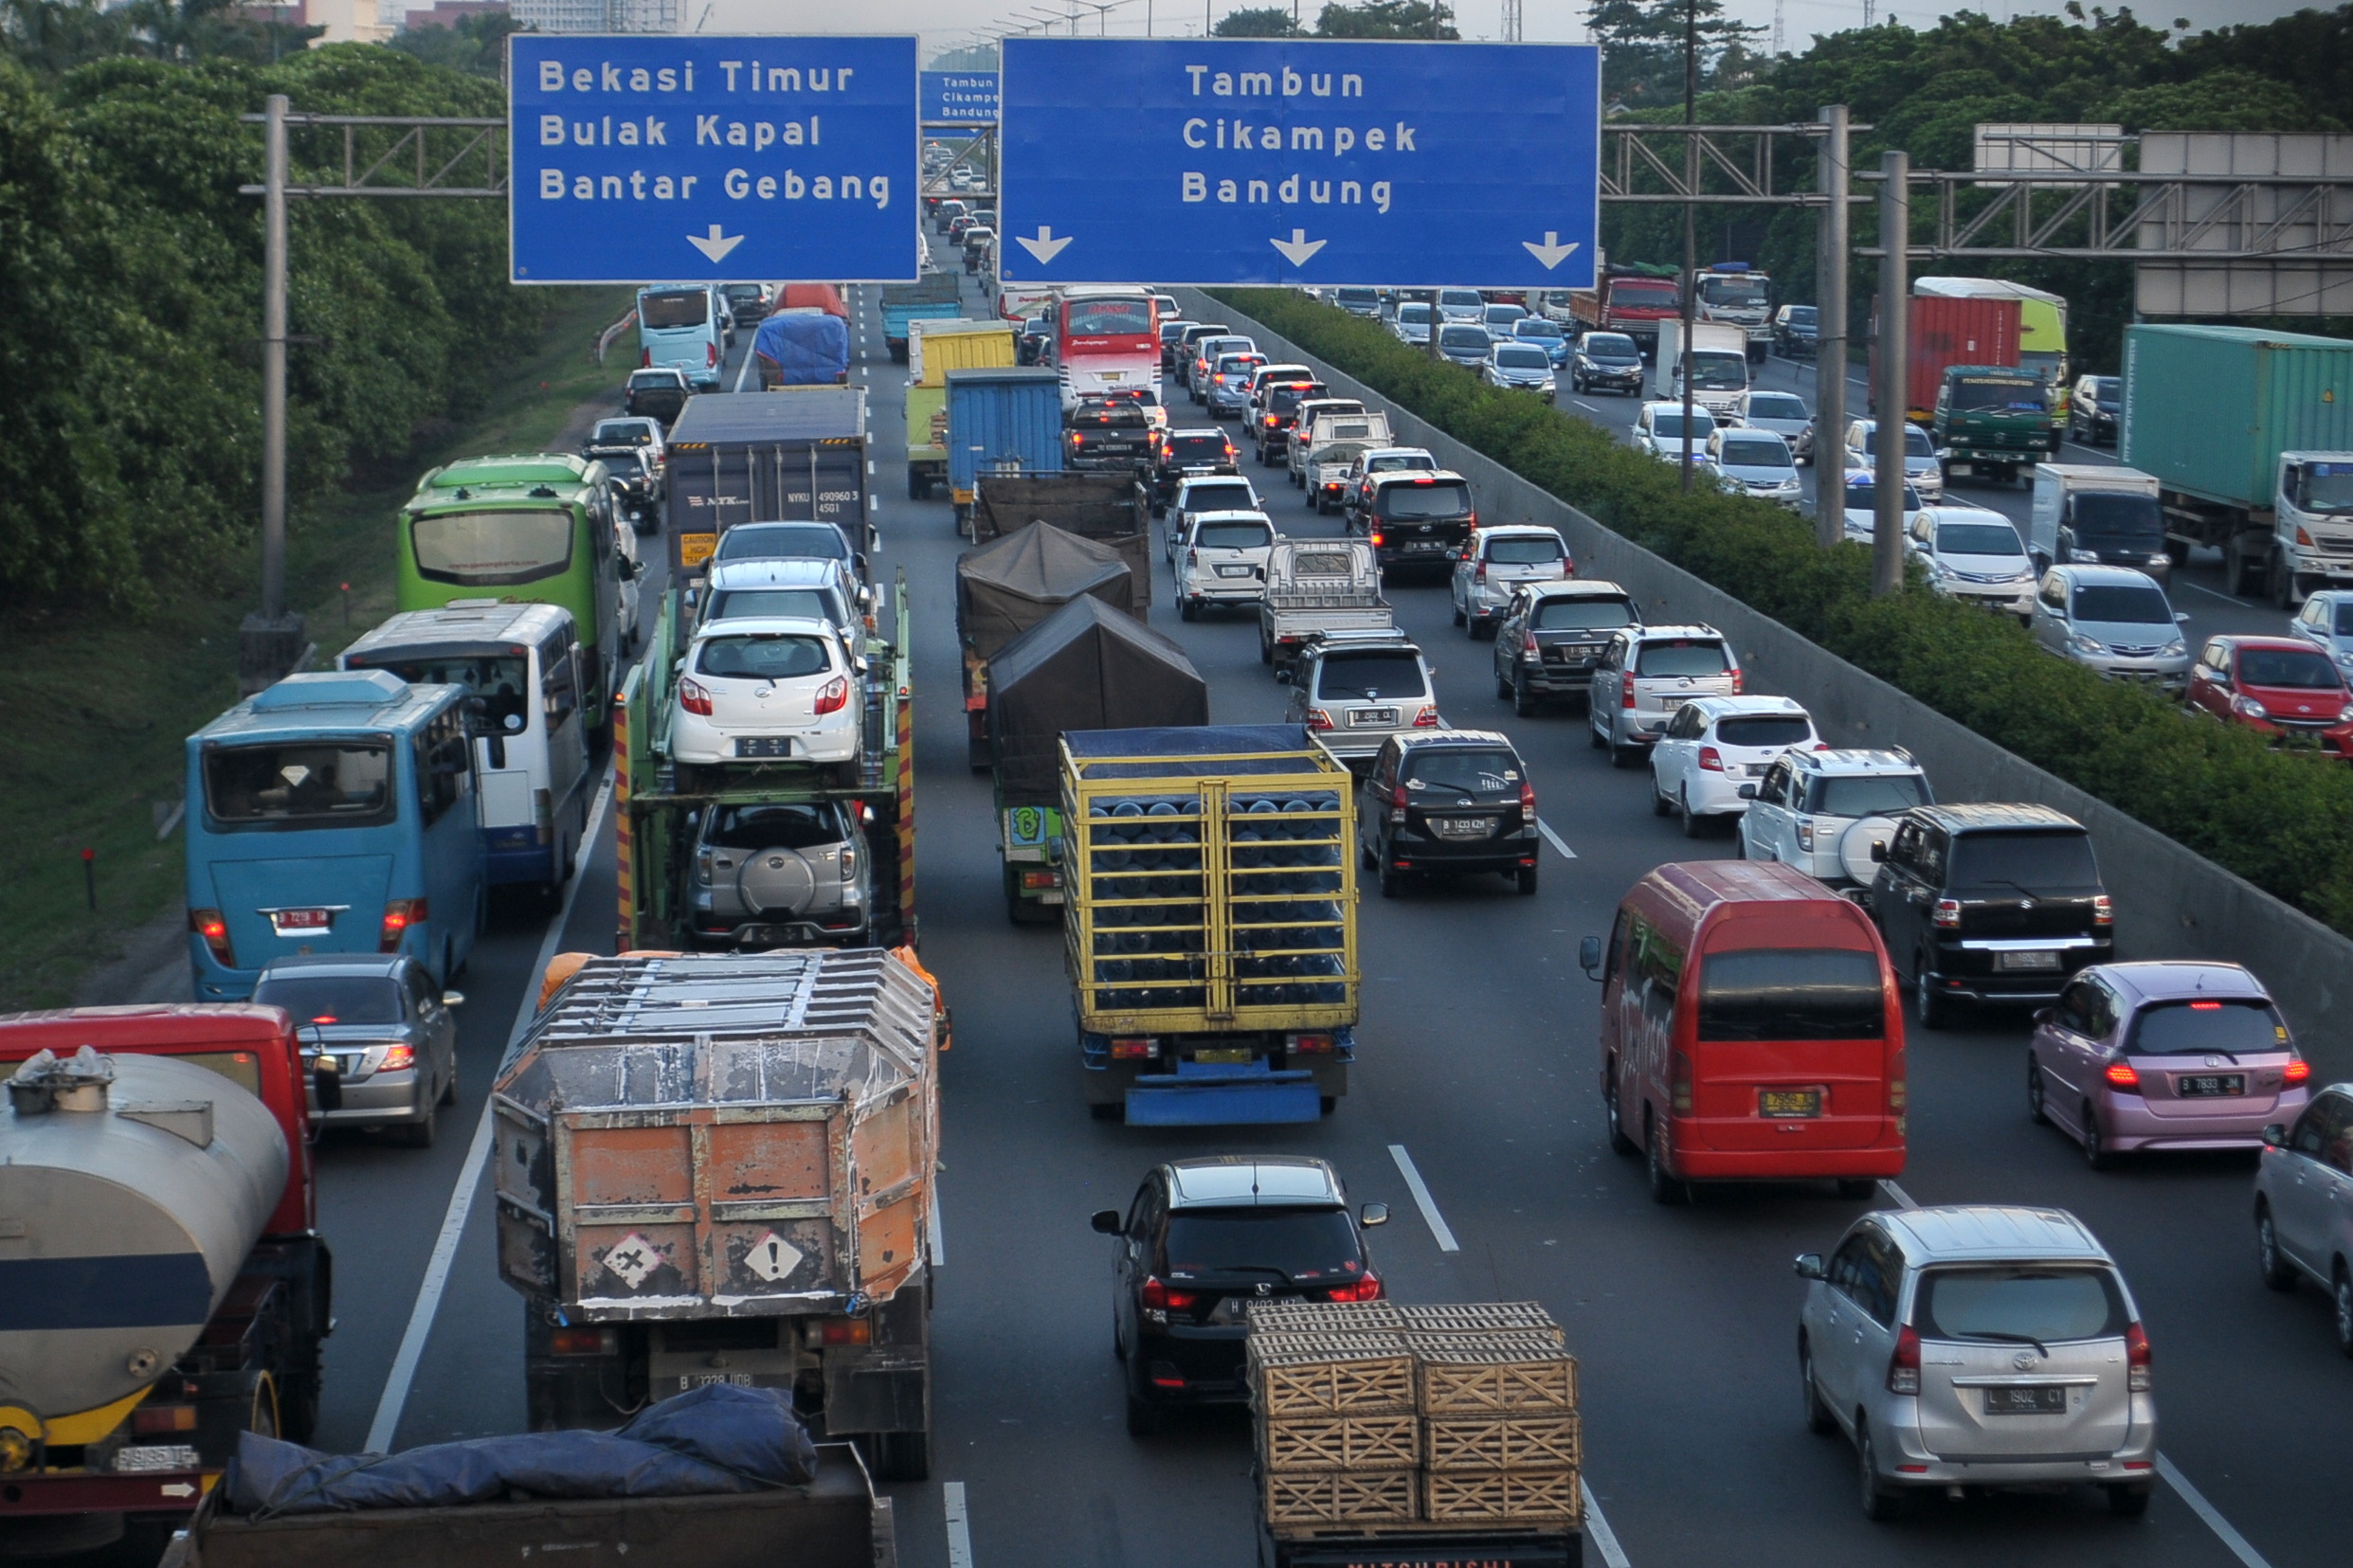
(2209, 409)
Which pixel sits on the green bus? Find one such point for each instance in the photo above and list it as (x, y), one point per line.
(535, 527)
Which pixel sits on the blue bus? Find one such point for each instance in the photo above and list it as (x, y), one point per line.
(332, 813)
(684, 327)
(521, 664)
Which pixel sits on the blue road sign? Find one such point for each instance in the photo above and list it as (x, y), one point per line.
(1267, 161)
(652, 156)
(959, 98)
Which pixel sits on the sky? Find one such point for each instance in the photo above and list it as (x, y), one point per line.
(943, 23)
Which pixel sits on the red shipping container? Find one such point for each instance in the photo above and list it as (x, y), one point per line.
(1951, 332)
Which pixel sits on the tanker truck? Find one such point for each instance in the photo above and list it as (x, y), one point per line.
(162, 1287)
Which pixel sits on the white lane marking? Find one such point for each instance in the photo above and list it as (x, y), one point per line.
(744, 369)
(959, 1528)
(1896, 1195)
(870, 468)
(2240, 1547)
(2226, 598)
(1604, 1539)
(396, 1383)
(937, 1238)
(1586, 406)
(1446, 1242)
(1554, 839)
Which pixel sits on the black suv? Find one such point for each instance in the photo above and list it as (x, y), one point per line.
(1990, 904)
(1203, 1240)
(1271, 420)
(1451, 801)
(1187, 454)
(1418, 519)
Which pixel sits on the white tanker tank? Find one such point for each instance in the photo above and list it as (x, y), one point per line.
(131, 1190)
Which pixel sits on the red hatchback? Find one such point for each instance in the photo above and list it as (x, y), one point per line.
(2279, 685)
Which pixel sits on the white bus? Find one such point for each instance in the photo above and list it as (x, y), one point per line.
(521, 666)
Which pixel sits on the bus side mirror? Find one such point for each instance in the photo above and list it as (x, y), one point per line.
(1589, 957)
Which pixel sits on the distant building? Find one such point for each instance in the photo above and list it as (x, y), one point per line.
(447, 13)
(346, 21)
(598, 16)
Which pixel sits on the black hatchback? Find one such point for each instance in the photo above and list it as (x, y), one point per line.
(1449, 801)
(1202, 1240)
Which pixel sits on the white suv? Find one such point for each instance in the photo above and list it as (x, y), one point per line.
(1714, 745)
(1223, 561)
(1645, 676)
(1824, 812)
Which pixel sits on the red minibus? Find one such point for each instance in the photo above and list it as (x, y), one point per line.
(1752, 1031)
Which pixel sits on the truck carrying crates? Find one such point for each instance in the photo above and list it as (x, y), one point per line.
(1385, 1432)
(761, 458)
(1209, 927)
(728, 1157)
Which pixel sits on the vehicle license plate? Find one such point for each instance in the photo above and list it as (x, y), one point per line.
(1423, 544)
(286, 921)
(1670, 704)
(2027, 1399)
(1961, 469)
(763, 746)
(2040, 959)
(1463, 827)
(2209, 1084)
(1758, 771)
(1789, 1102)
(1235, 571)
(1236, 1056)
(1372, 715)
(705, 1380)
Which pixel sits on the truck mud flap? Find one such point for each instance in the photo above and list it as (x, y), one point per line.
(1222, 1099)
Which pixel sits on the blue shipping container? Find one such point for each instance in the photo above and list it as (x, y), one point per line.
(1002, 419)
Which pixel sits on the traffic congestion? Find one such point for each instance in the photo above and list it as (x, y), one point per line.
(972, 1065)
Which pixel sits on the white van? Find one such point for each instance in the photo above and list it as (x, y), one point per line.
(522, 665)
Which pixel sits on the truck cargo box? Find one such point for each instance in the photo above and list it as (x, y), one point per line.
(1949, 332)
(767, 457)
(1001, 420)
(1084, 667)
(959, 343)
(2208, 409)
(1009, 585)
(1110, 509)
(903, 304)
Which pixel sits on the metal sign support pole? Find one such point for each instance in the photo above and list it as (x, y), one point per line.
(270, 644)
(1830, 273)
(1890, 372)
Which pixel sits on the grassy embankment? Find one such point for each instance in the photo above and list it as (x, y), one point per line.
(94, 709)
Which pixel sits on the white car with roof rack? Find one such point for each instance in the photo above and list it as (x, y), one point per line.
(1354, 690)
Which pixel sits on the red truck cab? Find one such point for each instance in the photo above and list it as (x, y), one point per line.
(1752, 1031)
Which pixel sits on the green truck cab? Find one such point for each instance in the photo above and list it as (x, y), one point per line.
(1992, 423)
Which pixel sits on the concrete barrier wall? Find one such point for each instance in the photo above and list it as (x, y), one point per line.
(2170, 902)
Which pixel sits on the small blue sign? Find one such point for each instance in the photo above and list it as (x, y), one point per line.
(1291, 161)
(959, 98)
(647, 157)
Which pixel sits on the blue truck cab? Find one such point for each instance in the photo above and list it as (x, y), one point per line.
(332, 813)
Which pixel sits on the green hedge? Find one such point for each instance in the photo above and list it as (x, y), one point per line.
(2281, 818)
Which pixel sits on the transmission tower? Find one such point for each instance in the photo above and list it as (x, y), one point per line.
(1777, 5)
(1512, 21)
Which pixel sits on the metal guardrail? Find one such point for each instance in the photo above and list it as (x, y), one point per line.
(604, 339)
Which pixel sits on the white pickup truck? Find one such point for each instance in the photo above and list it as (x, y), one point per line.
(1323, 452)
(1315, 588)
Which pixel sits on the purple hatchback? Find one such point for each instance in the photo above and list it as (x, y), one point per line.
(2168, 1055)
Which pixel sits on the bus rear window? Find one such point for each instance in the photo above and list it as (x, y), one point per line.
(678, 308)
(504, 684)
(1110, 317)
(491, 549)
(300, 784)
(1790, 994)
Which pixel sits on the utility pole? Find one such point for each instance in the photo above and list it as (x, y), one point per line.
(1514, 24)
(269, 645)
(1830, 264)
(1691, 211)
(1890, 372)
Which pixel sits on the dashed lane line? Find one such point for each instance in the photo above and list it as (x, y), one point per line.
(959, 1528)
(1446, 1242)
(1555, 839)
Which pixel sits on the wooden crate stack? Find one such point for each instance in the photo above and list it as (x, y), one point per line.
(1373, 1416)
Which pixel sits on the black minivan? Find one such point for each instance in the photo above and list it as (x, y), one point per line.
(1998, 904)
(1448, 800)
(1419, 519)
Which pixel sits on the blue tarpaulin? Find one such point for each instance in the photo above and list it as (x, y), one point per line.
(802, 348)
(718, 1438)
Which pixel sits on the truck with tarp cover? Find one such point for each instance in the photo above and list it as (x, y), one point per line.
(1209, 927)
(1110, 509)
(1087, 666)
(719, 1169)
(1011, 584)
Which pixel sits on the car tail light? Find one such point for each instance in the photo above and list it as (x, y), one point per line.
(1396, 803)
(1481, 575)
(1376, 538)
(695, 697)
(214, 929)
(833, 697)
(1367, 1288)
(1528, 800)
(148, 1420)
(1528, 646)
(2137, 1358)
(1427, 718)
(2298, 1070)
(1077, 440)
(1711, 759)
(1738, 681)
(2103, 910)
(1679, 1085)
(1159, 1298)
(1318, 719)
(585, 1341)
(2123, 1075)
(1311, 1045)
(646, 360)
(1899, 1091)
(1805, 834)
(1229, 451)
(1948, 913)
(397, 1058)
(1192, 557)
(399, 914)
(1134, 1048)
(1625, 696)
(1904, 1365)
(846, 1331)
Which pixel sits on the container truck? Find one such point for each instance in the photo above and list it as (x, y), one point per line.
(1946, 332)
(2042, 329)
(2097, 512)
(163, 1285)
(739, 458)
(719, 1169)
(935, 295)
(1087, 666)
(1733, 293)
(1001, 420)
(953, 345)
(1013, 583)
(1209, 927)
(2249, 434)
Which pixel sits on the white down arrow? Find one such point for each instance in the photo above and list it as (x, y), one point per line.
(1298, 248)
(1551, 253)
(1045, 247)
(716, 244)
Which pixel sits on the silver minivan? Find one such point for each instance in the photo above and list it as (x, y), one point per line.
(2113, 620)
(1645, 676)
(1353, 692)
(1978, 1345)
